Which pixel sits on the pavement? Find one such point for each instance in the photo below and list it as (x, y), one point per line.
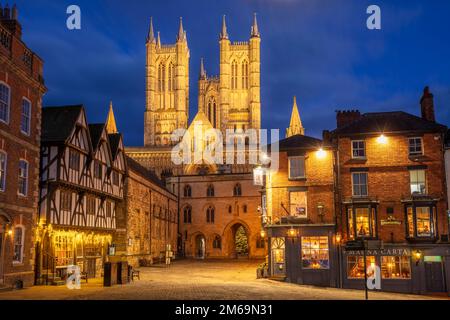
(199, 280)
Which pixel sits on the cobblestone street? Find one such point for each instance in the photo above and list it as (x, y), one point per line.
(188, 279)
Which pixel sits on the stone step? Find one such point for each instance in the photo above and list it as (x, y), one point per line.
(58, 283)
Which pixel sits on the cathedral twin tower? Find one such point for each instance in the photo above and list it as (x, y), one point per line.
(230, 100)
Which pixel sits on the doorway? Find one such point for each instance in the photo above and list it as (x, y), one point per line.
(277, 256)
(1, 254)
(200, 245)
(434, 275)
(240, 241)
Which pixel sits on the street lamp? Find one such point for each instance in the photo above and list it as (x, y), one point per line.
(263, 233)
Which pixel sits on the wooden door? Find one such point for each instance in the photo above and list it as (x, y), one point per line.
(434, 275)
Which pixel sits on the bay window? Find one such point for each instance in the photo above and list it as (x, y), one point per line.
(315, 253)
(361, 222)
(420, 221)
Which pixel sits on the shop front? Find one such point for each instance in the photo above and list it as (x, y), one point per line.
(418, 269)
(304, 254)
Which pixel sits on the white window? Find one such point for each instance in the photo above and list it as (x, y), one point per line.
(2, 171)
(296, 167)
(358, 149)
(415, 146)
(25, 120)
(417, 181)
(297, 204)
(23, 177)
(359, 184)
(5, 99)
(18, 244)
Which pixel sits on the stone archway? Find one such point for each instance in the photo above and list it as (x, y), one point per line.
(237, 238)
(200, 246)
(5, 219)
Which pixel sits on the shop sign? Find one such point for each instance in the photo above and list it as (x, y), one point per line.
(390, 222)
(380, 252)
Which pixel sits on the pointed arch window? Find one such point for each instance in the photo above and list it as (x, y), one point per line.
(210, 191)
(237, 190)
(210, 215)
(217, 242)
(187, 214)
(171, 82)
(212, 111)
(187, 191)
(161, 77)
(234, 72)
(245, 75)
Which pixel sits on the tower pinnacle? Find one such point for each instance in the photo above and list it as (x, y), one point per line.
(181, 35)
(295, 126)
(158, 41)
(202, 70)
(151, 34)
(255, 30)
(111, 120)
(224, 33)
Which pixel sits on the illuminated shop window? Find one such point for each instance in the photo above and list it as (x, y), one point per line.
(395, 267)
(315, 253)
(355, 266)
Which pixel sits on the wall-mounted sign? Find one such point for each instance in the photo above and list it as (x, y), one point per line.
(380, 252)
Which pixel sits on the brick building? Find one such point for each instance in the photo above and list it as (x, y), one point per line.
(21, 90)
(392, 193)
(299, 210)
(150, 220)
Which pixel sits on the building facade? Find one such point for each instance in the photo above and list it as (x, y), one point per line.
(149, 223)
(21, 91)
(392, 196)
(81, 192)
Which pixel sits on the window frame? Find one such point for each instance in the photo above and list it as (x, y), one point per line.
(187, 214)
(3, 171)
(319, 249)
(400, 263)
(352, 217)
(289, 168)
(363, 149)
(294, 214)
(353, 184)
(73, 152)
(417, 181)
(210, 215)
(187, 191)
(432, 220)
(8, 108)
(25, 178)
(421, 146)
(22, 244)
(27, 133)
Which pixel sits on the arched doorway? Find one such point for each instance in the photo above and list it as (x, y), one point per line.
(200, 246)
(240, 237)
(5, 220)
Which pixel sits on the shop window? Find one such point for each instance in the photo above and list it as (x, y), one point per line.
(358, 149)
(64, 247)
(395, 267)
(296, 167)
(315, 253)
(297, 204)
(18, 244)
(420, 221)
(359, 184)
(355, 266)
(417, 181)
(415, 146)
(361, 222)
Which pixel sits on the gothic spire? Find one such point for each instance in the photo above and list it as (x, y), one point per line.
(255, 30)
(151, 34)
(202, 70)
(295, 126)
(180, 36)
(224, 33)
(111, 120)
(158, 42)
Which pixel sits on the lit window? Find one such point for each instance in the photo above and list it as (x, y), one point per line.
(64, 248)
(395, 267)
(417, 181)
(25, 120)
(415, 146)
(315, 253)
(18, 245)
(4, 102)
(23, 177)
(296, 167)
(361, 222)
(358, 149)
(2, 171)
(297, 204)
(420, 221)
(355, 266)
(359, 183)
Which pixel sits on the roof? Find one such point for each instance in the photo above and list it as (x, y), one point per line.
(95, 130)
(299, 141)
(114, 140)
(144, 172)
(58, 122)
(389, 122)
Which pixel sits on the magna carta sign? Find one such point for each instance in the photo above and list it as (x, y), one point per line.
(380, 252)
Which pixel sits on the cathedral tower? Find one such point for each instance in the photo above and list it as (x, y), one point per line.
(167, 87)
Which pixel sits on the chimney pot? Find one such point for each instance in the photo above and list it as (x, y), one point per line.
(427, 105)
(344, 117)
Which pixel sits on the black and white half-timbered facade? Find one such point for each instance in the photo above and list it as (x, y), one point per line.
(82, 175)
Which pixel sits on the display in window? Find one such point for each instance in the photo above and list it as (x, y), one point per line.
(355, 266)
(395, 267)
(298, 205)
(315, 253)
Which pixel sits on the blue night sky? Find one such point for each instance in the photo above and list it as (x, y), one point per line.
(320, 51)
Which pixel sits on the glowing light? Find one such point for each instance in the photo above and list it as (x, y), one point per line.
(382, 139)
(321, 153)
(291, 232)
(338, 238)
(9, 232)
(263, 234)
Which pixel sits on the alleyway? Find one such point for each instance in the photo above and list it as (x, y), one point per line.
(190, 279)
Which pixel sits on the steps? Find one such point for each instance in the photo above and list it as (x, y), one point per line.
(52, 280)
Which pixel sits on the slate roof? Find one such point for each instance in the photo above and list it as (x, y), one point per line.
(389, 122)
(299, 142)
(114, 140)
(58, 122)
(95, 130)
(135, 166)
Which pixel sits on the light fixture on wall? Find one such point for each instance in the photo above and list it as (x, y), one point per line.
(321, 211)
(263, 233)
(338, 238)
(321, 153)
(418, 256)
(382, 139)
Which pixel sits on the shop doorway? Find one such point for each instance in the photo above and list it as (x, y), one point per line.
(200, 245)
(1, 254)
(434, 275)
(277, 257)
(240, 241)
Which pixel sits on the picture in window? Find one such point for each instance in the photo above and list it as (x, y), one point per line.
(298, 206)
(395, 267)
(315, 253)
(355, 266)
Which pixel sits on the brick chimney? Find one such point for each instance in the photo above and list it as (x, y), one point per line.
(427, 105)
(344, 117)
(8, 18)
